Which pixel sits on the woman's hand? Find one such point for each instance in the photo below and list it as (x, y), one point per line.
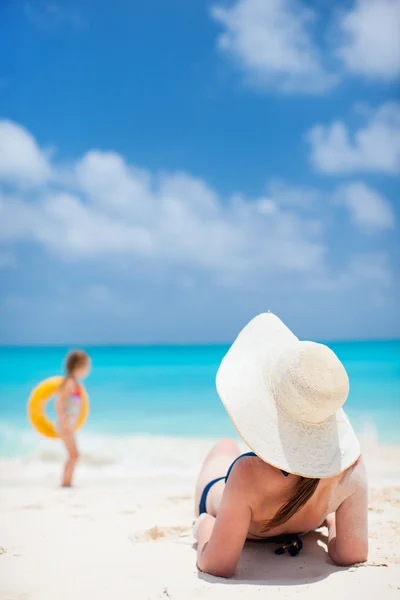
(196, 525)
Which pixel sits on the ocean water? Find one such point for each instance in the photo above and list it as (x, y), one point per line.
(169, 391)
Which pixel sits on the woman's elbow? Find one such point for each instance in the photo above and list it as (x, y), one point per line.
(215, 570)
(348, 559)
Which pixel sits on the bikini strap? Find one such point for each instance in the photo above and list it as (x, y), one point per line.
(241, 456)
(235, 461)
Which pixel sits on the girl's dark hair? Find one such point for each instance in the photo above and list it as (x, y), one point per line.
(304, 491)
(74, 360)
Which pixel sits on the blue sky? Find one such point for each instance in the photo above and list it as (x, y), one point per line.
(169, 169)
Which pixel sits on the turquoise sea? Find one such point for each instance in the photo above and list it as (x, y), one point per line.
(170, 391)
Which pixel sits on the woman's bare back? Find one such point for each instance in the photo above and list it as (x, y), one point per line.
(267, 490)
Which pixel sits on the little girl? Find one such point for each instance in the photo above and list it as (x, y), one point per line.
(77, 366)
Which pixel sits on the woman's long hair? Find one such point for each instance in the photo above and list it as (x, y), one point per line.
(304, 490)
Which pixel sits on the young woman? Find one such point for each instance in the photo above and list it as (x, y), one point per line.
(68, 404)
(285, 398)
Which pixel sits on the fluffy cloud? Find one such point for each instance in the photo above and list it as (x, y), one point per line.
(140, 248)
(22, 162)
(273, 44)
(102, 209)
(374, 147)
(108, 208)
(371, 42)
(369, 210)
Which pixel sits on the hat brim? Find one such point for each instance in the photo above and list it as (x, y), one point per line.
(244, 386)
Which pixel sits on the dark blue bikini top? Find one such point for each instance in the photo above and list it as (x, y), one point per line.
(241, 456)
(203, 499)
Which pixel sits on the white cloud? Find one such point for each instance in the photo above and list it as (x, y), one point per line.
(21, 160)
(301, 198)
(109, 182)
(66, 225)
(170, 241)
(370, 44)
(275, 42)
(104, 207)
(272, 42)
(374, 147)
(369, 210)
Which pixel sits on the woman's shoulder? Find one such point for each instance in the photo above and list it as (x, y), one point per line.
(250, 471)
(352, 482)
(356, 475)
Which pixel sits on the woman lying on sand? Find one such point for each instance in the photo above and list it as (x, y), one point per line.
(284, 397)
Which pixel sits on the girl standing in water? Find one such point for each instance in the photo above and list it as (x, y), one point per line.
(68, 404)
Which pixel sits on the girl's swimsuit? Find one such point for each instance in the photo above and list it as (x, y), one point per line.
(72, 406)
(290, 543)
(203, 500)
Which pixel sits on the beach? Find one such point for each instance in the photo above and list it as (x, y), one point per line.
(116, 536)
(125, 530)
(199, 243)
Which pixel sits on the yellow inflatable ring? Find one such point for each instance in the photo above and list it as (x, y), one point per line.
(37, 406)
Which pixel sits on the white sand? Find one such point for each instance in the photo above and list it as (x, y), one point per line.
(121, 537)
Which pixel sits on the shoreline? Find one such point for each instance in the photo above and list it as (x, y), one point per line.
(140, 454)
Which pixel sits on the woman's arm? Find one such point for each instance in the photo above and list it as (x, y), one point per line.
(221, 540)
(348, 527)
(202, 531)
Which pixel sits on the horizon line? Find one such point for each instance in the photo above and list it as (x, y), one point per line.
(173, 344)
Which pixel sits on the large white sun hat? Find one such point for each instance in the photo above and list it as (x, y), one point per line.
(285, 398)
